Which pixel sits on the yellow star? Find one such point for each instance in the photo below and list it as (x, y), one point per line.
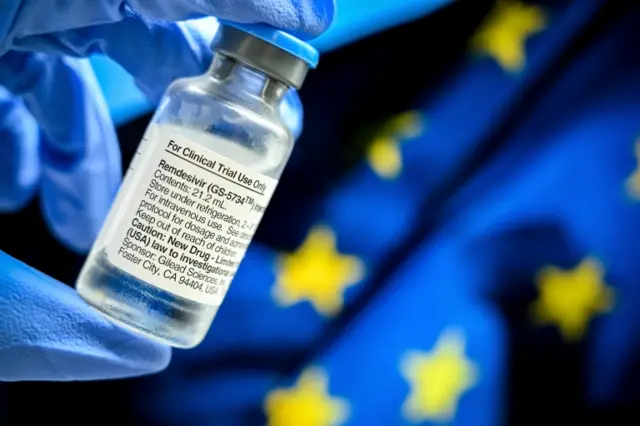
(384, 155)
(570, 298)
(633, 182)
(504, 33)
(437, 379)
(308, 403)
(316, 272)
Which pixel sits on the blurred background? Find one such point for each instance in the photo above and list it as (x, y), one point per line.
(470, 170)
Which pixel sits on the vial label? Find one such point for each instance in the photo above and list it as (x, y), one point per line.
(189, 218)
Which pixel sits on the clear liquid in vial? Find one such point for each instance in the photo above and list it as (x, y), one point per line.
(139, 305)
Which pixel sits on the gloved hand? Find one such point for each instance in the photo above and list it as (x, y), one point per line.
(59, 142)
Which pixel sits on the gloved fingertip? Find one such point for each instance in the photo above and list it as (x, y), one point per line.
(315, 18)
(16, 195)
(72, 228)
(14, 199)
(107, 352)
(19, 162)
(49, 333)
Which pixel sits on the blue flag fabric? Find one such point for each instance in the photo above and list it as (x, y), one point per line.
(379, 301)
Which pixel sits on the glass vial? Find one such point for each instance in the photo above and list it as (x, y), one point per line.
(197, 188)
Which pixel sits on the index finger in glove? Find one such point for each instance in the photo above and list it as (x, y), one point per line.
(22, 19)
(154, 53)
(48, 333)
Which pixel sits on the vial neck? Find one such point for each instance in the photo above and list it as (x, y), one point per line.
(248, 80)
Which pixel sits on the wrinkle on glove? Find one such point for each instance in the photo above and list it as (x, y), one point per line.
(49, 333)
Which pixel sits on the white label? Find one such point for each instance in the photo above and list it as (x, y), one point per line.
(189, 218)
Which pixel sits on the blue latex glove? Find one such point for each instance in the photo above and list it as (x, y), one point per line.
(59, 142)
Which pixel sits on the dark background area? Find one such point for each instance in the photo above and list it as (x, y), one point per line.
(374, 78)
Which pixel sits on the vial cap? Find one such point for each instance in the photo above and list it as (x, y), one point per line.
(281, 39)
(274, 52)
